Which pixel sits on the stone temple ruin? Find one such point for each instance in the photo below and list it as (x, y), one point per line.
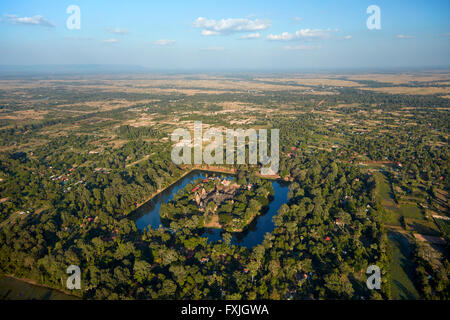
(219, 194)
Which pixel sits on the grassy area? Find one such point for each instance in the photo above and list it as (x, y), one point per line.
(13, 289)
(413, 215)
(383, 189)
(422, 226)
(411, 211)
(402, 268)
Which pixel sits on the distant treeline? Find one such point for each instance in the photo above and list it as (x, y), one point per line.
(132, 133)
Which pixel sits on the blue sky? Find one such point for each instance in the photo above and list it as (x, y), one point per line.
(227, 34)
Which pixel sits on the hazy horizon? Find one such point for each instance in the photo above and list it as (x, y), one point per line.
(105, 69)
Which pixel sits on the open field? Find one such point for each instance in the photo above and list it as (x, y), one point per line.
(15, 289)
(402, 269)
(408, 90)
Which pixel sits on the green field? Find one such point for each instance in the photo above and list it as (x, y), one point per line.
(392, 216)
(402, 268)
(13, 289)
(410, 211)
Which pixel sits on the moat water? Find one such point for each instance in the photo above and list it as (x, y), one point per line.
(254, 234)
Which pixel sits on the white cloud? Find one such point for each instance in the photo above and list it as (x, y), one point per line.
(229, 26)
(214, 49)
(298, 19)
(118, 31)
(35, 21)
(348, 37)
(447, 34)
(110, 41)
(285, 36)
(300, 48)
(313, 33)
(210, 33)
(255, 35)
(164, 42)
(302, 34)
(402, 36)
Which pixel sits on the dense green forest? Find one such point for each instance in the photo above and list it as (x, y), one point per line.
(70, 185)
